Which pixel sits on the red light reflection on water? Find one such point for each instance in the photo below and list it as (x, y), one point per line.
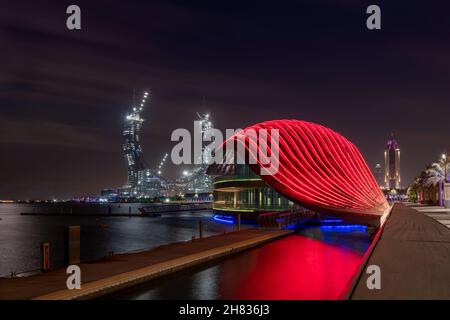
(295, 267)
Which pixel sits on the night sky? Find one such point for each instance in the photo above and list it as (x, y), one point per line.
(64, 94)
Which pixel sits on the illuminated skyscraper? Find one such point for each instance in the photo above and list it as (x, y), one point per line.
(392, 178)
(197, 181)
(132, 148)
(142, 182)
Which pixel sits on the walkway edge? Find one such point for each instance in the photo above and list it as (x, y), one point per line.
(128, 279)
(350, 288)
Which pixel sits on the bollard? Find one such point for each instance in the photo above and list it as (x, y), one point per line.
(72, 245)
(193, 238)
(239, 222)
(71, 209)
(45, 256)
(200, 229)
(129, 210)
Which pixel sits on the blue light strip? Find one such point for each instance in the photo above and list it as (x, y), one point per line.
(224, 219)
(350, 227)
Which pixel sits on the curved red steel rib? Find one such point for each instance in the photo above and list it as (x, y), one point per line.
(317, 167)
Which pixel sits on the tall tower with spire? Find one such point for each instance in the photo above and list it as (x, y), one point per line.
(392, 178)
(132, 146)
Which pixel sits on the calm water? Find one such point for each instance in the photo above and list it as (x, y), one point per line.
(316, 263)
(20, 236)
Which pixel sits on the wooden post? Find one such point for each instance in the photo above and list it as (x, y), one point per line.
(239, 222)
(45, 256)
(72, 245)
(200, 229)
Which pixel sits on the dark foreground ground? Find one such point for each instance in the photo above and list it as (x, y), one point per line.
(124, 270)
(413, 253)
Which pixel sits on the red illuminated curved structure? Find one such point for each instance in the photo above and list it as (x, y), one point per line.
(318, 168)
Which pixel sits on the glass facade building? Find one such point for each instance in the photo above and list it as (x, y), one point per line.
(244, 191)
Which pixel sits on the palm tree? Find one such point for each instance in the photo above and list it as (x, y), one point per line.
(415, 189)
(434, 174)
(424, 185)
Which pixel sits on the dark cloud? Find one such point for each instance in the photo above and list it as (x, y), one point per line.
(26, 132)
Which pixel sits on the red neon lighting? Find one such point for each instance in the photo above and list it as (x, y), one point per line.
(295, 267)
(318, 168)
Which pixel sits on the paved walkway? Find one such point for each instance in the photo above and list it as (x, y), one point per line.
(440, 214)
(413, 253)
(125, 270)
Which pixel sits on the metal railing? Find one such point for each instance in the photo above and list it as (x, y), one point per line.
(285, 219)
(249, 207)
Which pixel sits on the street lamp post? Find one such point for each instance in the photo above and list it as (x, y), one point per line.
(444, 181)
(444, 157)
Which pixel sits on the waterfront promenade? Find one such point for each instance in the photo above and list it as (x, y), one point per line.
(413, 253)
(125, 270)
(440, 214)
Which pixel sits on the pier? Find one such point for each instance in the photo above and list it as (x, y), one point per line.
(413, 253)
(117, 209)
(122, 271)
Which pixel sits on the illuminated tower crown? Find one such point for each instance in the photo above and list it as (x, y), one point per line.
(392, 178)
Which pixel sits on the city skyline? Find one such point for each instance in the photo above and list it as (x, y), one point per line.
(66, 93)
(216, 158)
